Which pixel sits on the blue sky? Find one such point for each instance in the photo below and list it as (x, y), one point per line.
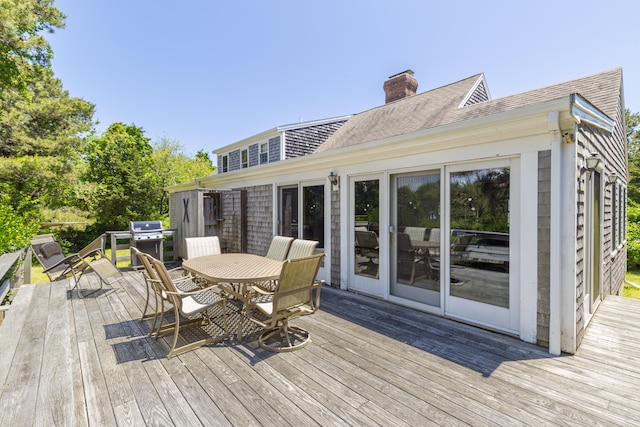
(208, 73)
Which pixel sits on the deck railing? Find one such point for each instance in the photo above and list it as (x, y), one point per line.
(18, 265)
(122, 240)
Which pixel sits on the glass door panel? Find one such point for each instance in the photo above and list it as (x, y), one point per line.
(479, 240)
(416, 239)
(365, 238)
(313, 215)
(366, 230)
(289, 211)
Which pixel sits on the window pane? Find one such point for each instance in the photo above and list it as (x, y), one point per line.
(289, 212)
(313, 199)
(417, 242)
(367, 213)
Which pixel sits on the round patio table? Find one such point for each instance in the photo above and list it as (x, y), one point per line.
(234, 272)
(234, 268)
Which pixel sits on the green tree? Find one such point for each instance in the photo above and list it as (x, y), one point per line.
(48, 123)
(173, 166)
(120, 164)
(24, 52)
(41, 126)
(633, 144)
(16, 230)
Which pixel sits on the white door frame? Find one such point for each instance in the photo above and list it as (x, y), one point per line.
(593, 252)
(373, 286)
(506, 319)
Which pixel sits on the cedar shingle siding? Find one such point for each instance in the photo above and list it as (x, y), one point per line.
(254, 159)
(544, 247)
(300, 142)
(234, 160)
(274, 149)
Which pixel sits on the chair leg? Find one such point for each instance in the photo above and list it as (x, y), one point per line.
(146, 305)
(175, 336)
(159, 317)
(285, 331)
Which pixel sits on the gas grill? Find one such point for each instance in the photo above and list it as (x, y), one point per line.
(146, 236)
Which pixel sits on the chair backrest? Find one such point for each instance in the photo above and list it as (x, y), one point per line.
(416, 233)
(146, 262)
(279, 248)
(404, 242)
(202, 246)
(434, 235)
(165, 283)
(296, 274)
(302, 248)
(47, 250)
(367, 239)
(96, 245)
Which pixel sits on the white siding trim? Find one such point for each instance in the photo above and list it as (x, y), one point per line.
(567, 251)
(555, 237)
(528, 280)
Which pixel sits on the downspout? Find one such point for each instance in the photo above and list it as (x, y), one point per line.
(555, 237)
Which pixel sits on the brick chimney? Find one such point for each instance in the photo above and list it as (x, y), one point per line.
(400, 86)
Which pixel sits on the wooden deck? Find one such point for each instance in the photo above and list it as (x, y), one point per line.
(66, 361)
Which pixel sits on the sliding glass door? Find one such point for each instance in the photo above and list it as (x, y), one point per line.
(365, 238)
(478, 285)
(415, 238)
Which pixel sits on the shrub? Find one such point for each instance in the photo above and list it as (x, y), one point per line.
(15, 231)
(633, 236)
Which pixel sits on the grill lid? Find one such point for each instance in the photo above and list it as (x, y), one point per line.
(145, 226)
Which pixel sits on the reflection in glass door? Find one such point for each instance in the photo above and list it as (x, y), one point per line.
(479, 285)
(416, 239)
(289, 212)
(365, 273)
(313, 215)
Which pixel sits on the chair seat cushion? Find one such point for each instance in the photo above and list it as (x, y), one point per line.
(194, 304)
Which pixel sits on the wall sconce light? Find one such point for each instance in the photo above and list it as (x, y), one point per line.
(591, 163)
(334, 180)
(612, 179)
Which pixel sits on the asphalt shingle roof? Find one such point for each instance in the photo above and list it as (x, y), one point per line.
(441, 106)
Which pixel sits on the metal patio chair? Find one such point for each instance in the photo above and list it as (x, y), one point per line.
(194, 306)
(58, 266)
(297, 294)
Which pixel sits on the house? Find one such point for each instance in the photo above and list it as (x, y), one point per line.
(505, 213)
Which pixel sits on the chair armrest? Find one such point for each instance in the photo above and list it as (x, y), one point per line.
(212, 288)
(259, 290)
(68, 260)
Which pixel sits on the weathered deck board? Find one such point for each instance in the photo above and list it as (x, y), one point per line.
(70, 361)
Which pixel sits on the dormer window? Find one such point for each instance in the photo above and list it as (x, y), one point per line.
(225, 163)
(264, 153)
(245, 158)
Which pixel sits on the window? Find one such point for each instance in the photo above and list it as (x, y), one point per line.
(615, 218)
(225, 163)
(245, 158)
(264, 153)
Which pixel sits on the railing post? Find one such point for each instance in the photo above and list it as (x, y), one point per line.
(27, 266)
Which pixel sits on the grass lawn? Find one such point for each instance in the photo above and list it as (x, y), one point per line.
(632, 276)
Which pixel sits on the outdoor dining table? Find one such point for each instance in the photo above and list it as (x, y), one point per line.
(235, 272)
(425, 244)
